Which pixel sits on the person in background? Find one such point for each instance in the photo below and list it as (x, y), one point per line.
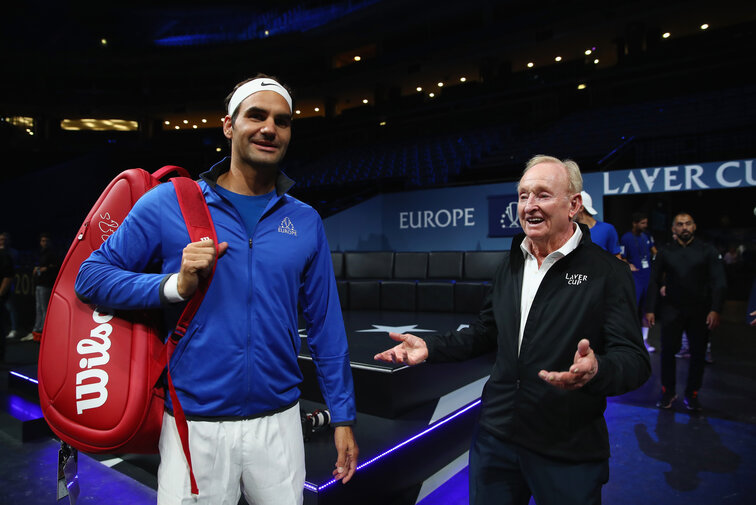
(561, 319)
(695, 284)
(639, 250)
(602, 234)
(44, 275)
(6, 280)
(7, 302)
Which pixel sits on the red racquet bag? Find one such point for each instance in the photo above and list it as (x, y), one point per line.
(99, 373)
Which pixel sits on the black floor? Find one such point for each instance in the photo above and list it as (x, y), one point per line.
(667, 456)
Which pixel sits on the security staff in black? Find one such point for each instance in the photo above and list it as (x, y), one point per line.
(687, 288)
(562, 319)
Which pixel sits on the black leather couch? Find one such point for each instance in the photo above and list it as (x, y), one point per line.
(435, 281)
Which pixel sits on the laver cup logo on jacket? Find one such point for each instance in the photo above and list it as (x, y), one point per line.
(575, 279)
(287, 227)
(95, 352)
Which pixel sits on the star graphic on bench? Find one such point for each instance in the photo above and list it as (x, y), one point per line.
(412, 328)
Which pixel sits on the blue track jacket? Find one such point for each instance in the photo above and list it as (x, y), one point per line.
(239, 356)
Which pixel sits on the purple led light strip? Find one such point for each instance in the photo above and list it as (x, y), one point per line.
(316, 489)
(22, 376)
(313, 487)
(310, 487)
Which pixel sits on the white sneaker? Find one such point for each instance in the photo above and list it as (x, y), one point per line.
(28, 337)
(649, 347)
(12, 334)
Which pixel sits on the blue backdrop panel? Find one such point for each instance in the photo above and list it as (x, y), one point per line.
(484, 217)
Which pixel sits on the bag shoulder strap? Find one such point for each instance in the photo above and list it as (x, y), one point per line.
(199, 224)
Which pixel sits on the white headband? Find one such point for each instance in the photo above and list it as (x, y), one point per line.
(254, 86)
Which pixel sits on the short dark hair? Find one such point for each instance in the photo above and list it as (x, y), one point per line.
(637, 217)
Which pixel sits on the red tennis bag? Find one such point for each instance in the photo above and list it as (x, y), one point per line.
(99, 373)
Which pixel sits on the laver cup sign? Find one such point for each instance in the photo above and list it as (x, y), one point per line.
(502, 216)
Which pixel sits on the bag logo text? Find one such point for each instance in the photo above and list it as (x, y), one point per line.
(95, 354)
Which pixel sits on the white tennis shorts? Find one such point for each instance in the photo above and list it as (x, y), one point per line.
(262, 458)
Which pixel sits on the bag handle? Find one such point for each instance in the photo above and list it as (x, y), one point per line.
(167, 169)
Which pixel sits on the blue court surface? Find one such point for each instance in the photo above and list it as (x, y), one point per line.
(663, 457)
(658, 456)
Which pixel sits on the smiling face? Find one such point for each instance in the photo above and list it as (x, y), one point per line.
(261, 132)
(546, 207)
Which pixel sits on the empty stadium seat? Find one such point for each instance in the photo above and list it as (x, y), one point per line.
(337, 258)
(343, 289)
(369, 265)
(435, 296)
(365, 295)
(445, 265)
(469, 296)
(482, 265)
(399, 295)
(411, 265)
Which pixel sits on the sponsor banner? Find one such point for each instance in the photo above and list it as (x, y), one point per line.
(716, 175)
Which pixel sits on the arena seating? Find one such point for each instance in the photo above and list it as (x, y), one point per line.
(434, 281)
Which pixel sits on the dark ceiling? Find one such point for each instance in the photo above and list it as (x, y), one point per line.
(55, 66)
(54, 62)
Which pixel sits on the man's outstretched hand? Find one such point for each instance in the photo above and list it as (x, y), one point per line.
(583, 369)
(411, 351)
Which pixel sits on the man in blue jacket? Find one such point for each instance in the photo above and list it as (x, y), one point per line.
(236, 371)
(561, 318)
(639, 250)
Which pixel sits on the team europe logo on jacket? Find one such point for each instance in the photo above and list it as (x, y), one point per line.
(575, 279)
(287, 227)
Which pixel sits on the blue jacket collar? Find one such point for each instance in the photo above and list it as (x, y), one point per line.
(283, 182)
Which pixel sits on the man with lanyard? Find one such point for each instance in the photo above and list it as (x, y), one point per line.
(639, 250)
(695, 281)
(561, 319)
(236, 370)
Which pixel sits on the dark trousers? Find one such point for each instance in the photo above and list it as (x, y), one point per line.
(674, 323)
(641, 278)
(502, 473)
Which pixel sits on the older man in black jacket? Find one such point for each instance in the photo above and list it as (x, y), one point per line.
(561, 317)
